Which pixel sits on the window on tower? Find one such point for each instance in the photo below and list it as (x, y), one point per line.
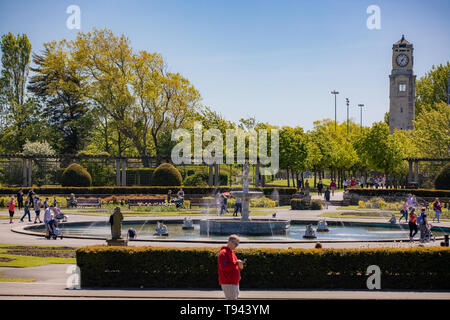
(402, 87)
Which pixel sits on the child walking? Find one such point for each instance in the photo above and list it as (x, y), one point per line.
(11, 207)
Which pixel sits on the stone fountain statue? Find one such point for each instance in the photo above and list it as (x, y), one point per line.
(188, 224)
(161, 229)
(322, 226)
(245, 225)
(309, 232)
(393, 220)
(116, 229)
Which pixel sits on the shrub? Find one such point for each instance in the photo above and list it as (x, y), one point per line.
(316, 204)
(299, 204)
(262, 202)
(194, 180)
(76, 176)
(442, 180)
(166, 175)
(361, 204)
(159, 267)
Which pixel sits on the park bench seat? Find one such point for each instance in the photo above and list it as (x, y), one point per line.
(91, 202)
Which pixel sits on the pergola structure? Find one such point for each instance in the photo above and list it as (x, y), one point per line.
(413, 174)
(121, 163)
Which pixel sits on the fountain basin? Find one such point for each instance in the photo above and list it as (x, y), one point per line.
(251, 227)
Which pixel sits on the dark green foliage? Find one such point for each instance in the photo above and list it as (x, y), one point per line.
(158, 267)
(139, 176)
(76, 176)
(166, 175)
(442, 180)
(194, 180)
(316, 204)
(140, 190)
(300, 204)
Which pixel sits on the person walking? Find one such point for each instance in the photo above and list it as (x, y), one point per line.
(404, 211)
(55, 202)
(437, 208)
(26, 211)
(20, 199)
(47, 217)
(423, 225)
(237, 207)
(319, 187)
(332, 186)
(229, 268)
(362, 181)
(327, 196)
(11, 208)
(31, 196)
(224, 201)
(412, 224)
(37, 209)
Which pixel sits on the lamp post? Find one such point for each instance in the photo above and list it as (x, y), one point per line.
(335, 113)
(361, 105)
(347, 101)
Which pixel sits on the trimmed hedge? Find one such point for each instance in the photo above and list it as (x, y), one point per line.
(400, 192)
(77, 176)
(301, 204)
(166, 175)
(139, 190)
(158, 267)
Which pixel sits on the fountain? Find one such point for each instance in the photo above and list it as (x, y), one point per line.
(322, 226)
(245, 225)
(188, 224)
(161, 229)
(309, 232)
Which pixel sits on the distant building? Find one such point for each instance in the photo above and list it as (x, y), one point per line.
(402, 88)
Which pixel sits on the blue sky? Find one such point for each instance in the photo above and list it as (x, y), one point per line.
(275, 60)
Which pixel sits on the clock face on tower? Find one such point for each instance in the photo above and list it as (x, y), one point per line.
(402, 60)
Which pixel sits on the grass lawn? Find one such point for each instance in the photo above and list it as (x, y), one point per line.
(32, 256)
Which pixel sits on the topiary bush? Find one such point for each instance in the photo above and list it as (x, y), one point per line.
(76, 176)
(442, 180)
(166, 175)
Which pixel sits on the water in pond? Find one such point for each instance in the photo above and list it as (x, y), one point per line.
(338, 232)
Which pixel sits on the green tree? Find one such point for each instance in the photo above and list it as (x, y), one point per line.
(58, 82)
(432, 88)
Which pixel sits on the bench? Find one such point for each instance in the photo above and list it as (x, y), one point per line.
(144, 202)
(91, 202)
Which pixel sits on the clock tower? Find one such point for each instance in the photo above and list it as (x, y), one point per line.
(402, 88)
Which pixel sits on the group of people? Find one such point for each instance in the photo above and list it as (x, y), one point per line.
(221, 201)
(180, 198)
(419, 222)
(32, 201)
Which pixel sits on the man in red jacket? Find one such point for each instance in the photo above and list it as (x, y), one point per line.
(230, 268)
